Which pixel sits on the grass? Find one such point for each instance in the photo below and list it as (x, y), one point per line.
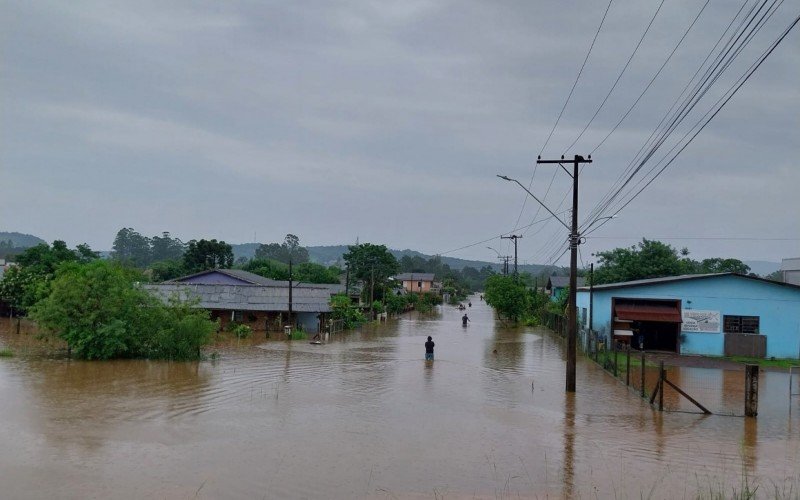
(764, 362)
(6, 353)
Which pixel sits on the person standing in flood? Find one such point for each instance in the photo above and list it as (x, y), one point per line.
(429, 349)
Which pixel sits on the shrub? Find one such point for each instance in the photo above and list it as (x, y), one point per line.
(241, 331)
(100, 313)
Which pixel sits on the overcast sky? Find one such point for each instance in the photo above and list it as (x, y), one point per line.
(384, 121)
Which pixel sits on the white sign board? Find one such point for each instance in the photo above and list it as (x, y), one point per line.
(700, 321)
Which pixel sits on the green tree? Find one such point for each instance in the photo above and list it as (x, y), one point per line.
(281, 252)
(648, 259)
(132, 248)
(343, 309)
(372, 264)
(166, 270)
(165, 247)
(718, 265)
(207, 254)
(100, 313)
(506, 295)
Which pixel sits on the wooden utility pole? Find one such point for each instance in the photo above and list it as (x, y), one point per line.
(291, 323)
(574, 241)
(514, 237)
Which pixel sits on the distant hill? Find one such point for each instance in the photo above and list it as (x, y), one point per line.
(332, 255)
(20, 240)
(762, 267)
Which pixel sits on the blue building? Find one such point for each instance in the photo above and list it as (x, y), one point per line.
(711, 314)
(558, 286)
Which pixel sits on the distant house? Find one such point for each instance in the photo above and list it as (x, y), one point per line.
(261, 303)
(790, 271)
(710, 314)
(417, 282)
(556, 285)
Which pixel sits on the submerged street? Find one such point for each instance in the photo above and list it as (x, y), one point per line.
(364, 416)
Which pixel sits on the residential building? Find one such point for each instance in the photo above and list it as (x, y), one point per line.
(556, 285)
(709, 314)
(417, 282)
(790, 271)
(247, 298)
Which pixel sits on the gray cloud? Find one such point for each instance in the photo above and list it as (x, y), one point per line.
(382, 120)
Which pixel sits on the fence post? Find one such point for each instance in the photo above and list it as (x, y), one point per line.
(661, 376)
(628, 366)
(614, 345)
(642, 374)
(750, 390)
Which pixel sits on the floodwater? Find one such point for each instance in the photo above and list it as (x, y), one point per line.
(364, 416)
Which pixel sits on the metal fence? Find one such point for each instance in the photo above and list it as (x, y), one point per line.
(671, 387)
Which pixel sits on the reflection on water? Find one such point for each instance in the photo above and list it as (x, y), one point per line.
(363, 415)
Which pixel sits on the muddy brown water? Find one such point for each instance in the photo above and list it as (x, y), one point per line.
(364, 416)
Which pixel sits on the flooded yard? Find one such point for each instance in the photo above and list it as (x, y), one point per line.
(364, 416)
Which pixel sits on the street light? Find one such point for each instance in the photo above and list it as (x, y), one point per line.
(499, 256)
(506, 178)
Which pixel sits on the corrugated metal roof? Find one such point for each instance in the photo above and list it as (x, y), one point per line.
(255, 279)
(790, 264)
(683, 277)
(245, 297)
(563, 281)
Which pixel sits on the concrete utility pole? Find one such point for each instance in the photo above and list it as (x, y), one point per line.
(515, 238)
(290, 292)
(574, 241)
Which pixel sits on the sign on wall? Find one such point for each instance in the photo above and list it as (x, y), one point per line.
(701, 321)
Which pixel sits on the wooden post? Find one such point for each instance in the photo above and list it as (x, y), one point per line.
(628, 366)
(614, 344)
(750, 390)
(642, 374)
(661, 376)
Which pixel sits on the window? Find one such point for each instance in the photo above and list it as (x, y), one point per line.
(419, 285)
(740, 324)
(238, 316)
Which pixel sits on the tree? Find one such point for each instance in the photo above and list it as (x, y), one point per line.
(506, 295)
(166, 270)
(132, 248)
(27, 282)
(372, 264)
(282, 251)
(207, 254)
(100, 313)
(654, 259)
(718, 265)
(648, 259)
(165, 247)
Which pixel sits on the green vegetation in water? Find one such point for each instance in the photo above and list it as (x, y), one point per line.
(6, 353)
(299, 334)
(239, 330)
(342, 309)
(100, 312)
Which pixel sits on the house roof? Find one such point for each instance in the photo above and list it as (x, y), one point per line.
(790, 264)
(415, 277)
(563, 281)
(684, 277)
(248, 278)
(245, 297)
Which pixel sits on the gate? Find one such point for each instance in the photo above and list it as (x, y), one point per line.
(746, 344)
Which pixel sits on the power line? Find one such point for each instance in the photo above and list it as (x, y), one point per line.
(720, 104)
(655, 76)
(624, 68)
(722, 61)
(614, 191)
(561, 113)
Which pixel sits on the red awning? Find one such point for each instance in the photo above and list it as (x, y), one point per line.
(654, 311)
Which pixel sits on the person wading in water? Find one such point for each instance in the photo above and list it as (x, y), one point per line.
(429, 349)
(464, 320)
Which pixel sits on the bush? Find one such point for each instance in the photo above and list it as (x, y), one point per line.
(342, 309)
(241, 331)
(100, 313)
